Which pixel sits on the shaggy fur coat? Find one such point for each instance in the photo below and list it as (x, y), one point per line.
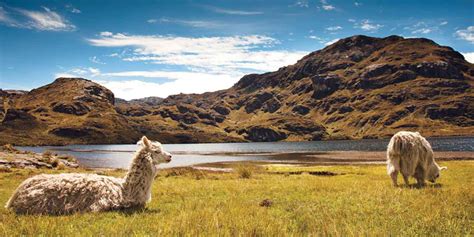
(69, 193)
(410, 154)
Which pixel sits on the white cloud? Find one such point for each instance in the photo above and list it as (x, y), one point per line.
(301, 3)
(422, 31)
(106, 33)
(206, 53)
(367, 25)
(317, 38)
(443, 23)
(179, 82)
(46, 20)
(351, 20)
(469, 57)
(421, 28)
(65, 74)
(72, 9)
(357, 4)
(95, 59)
(86, 72)
(234, 12)
(3, 15)
(7, 20)
(208, 63)
(326, 6)
(334, 28)
(192, 23)
(331, 42)
(151, 21)
(466, 34)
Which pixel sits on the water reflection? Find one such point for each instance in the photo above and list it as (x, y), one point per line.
(119, 156)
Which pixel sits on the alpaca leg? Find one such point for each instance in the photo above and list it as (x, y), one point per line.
(405, 178)
(420, 182)
(394, 175)
(420, 176)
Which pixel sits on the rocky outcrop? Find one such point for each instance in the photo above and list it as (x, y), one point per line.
(264, 134)
(221, 109)
(325, 85)
(257, 101)
(10, 157)
(459, 112)
(18, 115)
(74, 132)
(75, 108)
(301, 109)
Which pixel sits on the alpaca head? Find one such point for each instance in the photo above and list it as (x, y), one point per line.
(158, 155)
(433, 172)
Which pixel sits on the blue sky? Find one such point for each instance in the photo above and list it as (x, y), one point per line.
(157, 48)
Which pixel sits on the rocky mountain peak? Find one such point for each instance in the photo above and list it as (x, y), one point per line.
(358, 87)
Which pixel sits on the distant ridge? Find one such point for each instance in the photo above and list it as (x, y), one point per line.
(358, 87)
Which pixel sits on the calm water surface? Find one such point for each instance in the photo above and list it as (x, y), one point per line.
(119, 156)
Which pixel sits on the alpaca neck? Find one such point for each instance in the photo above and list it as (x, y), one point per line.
(138, 181)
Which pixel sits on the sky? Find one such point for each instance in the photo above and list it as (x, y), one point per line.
(159, 48)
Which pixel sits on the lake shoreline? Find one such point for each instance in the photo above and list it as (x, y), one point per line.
(325, 158)
(338, 158)
(315, 152)
(231, 142)
(11, 157)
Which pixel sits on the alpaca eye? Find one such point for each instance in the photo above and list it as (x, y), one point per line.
(437, 176)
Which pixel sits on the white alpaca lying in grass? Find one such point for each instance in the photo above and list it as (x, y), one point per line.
(410, 154)
(69, 193)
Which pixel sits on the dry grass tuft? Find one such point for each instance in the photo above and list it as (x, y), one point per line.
(245, 171)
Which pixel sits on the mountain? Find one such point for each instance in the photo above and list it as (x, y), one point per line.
(69, 110)
(358, 87)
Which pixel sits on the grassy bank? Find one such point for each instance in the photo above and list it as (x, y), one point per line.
(358, 200)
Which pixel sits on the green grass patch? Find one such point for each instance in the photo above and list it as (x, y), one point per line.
(358, 200)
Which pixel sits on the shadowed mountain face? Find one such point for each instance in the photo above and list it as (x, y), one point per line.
(359, 87)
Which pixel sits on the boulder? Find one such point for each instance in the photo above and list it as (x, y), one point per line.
(345, 109)
(75, 108)
(460, 113)
(395, 116)
(73, 132)
(264, 134)
(271, 105)
(100, 92)
(137, 112)
(16, 114)
(324, 85)
(301, 109)
(221, 109)
(439, 69)
(376, 70)
(257, 102)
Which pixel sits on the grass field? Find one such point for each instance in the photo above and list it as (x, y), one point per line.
(359, 200)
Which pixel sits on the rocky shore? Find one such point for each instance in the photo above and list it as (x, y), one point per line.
(10, 157)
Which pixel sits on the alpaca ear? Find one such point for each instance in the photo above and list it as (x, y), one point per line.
(144, 142)
(443, 168)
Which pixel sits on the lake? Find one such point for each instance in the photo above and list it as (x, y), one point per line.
(119, 156)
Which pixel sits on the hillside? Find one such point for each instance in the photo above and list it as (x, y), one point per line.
(358, 87)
